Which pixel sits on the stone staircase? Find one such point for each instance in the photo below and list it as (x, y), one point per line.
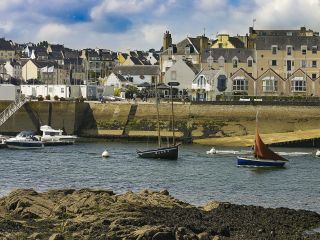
(12, 108)
(131, 115)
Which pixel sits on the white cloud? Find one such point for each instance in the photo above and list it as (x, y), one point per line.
(53, 32)
(152, 34)
(7, 26)
(120, 6)
(210, 5)
(5, 4)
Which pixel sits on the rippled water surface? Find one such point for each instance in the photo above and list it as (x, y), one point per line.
(195, 177)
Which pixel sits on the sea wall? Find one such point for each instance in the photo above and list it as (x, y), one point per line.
(192, 121)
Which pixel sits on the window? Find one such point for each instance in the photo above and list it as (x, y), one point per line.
(303, 63)
(289, 50)
(222, 83)
(250, 62)
(314, 49)
(173, 75)
(314, 76)
(269, 84)
(221, 61)
(62, 90)
(240, 84)
(303, 50)
(50, 89)
(170, 51)
(201, 82)
(289, 64)
(314, 63)
(235, 63)
(298, 84)
(273, 62)
(187, 50)
(274, 49)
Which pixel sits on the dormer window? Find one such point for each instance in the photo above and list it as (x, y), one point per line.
(249, 62)
(235, 63)
(221, 61)
(314, 49)
(210, 61)
(303, 50)
(274, 49)
(187, 50)
(289, 50)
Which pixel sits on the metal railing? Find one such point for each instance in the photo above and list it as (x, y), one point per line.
(12, 108)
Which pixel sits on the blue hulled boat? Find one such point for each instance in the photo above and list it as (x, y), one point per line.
(24, 140)
(262, 155)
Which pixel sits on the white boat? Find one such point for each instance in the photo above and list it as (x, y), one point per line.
(318, 153)
(54, 137)
(212, 151)
(3, 141)
(24, 140)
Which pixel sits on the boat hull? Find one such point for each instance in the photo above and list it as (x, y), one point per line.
(24, 144)
(57, 143)
(169, 153)
(250, 162)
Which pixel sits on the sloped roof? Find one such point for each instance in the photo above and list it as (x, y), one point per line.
(265, 42)
(41, 64)
(194, 67)
(56, 47)
(5, 45)
(229, 53)
(120, 77)
(135, 61)
(236, 42)
(181, 46)
(137, 70)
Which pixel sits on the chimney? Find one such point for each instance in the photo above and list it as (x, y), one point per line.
(204, 42)
(167, 40)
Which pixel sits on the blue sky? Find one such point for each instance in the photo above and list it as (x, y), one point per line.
(140, 24)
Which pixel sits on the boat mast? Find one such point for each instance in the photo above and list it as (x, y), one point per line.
(158, 120)
(173, 134)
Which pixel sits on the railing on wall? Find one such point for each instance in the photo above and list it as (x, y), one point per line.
(12, 108)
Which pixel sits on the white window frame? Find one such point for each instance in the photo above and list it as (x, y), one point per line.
(291, 49)
(240, 84)
(304, 49)
(298, 84)
(274, 47)
(269, 84)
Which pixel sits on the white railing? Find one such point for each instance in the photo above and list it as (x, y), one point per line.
(12, 108)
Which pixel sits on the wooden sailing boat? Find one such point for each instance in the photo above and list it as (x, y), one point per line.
(169, 152)
(263, 156)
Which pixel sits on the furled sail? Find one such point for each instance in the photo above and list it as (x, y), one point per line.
(261, 151)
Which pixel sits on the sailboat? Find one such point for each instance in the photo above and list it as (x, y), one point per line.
(263, 156)
(169, 152)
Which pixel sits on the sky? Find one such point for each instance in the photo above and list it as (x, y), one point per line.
(122, 25)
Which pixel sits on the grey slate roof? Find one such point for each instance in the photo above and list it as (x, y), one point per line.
(5, 45)
(121, 77)
(180, 47)
(41, 64)
(194, 67)
(137, 70)
(265, 42)
(229, 53)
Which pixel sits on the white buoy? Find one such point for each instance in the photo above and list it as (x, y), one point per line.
(105, 153)
(212, 151)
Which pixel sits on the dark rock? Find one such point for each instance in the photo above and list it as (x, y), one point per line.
(163, 236)
(165, 192)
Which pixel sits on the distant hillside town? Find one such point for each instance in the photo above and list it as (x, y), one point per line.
(263, 63)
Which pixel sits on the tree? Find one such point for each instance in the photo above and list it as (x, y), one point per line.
(44, 44)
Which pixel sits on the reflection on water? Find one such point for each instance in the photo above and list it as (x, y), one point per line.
(195, 177)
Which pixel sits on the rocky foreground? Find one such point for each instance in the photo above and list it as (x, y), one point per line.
(100, 214)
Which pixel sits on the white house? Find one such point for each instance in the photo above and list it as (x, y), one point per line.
(139, 74)
(13, 69)
(209, 84)
(63, 91)
(183, 72)
(117, 80)
(9, 92)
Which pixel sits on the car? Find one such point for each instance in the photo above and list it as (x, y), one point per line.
(104, 99)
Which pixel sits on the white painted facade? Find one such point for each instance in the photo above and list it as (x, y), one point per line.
(9, 92)
(13, 69)
(63, 91)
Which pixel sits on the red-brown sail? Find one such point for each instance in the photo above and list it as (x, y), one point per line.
(261, 151)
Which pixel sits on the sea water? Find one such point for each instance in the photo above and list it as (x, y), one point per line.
(195, 177)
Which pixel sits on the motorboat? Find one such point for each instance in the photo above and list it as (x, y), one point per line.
(24, 140)
(53, 137)
(3, 141)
